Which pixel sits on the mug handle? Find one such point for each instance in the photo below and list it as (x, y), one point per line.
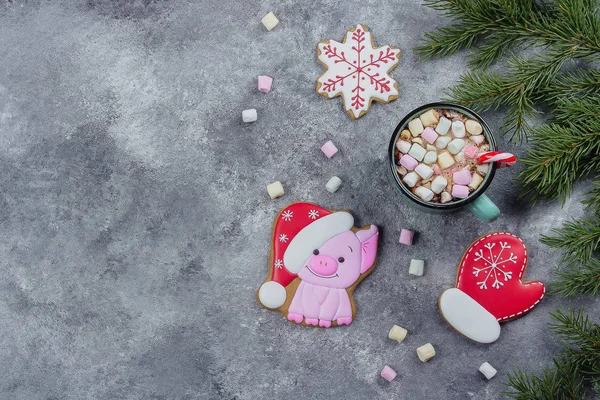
(484, 208)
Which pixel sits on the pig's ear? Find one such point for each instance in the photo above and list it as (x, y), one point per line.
(368, 239)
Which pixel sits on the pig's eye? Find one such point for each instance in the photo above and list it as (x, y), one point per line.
(341, 259)
(316, 252)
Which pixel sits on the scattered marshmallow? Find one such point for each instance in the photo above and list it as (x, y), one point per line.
(439, 184)
(483, 168)
(473, 127)
(419, 141)
(403, 146)
(270, 21)
(462, 177)
(397, 333)
(456, 145)
(487, 370)
(417, 151)
(249, 115)
(329, 149)
(406, 237)
(460, 157)
(424, 193)
(436, 169)
(430, 135)
(429, 118)
(408, 162)
(333, 184)
(445, 160)
(416, 267)
(443, 126)
(445, 198)
(475, 181)
(265, 83)
(388, 374)
(415, 127)
(458, 129)
(411, 179)
(430, 147)
(425, 171)
(426, 352)
(430, 157)
(460, 191)
(442, 142)
(405, 134)
(477, 139)
(275, 190)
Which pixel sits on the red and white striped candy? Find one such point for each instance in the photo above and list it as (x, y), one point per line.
(503, 159)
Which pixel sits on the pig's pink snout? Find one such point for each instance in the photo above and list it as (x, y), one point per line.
(323, 265)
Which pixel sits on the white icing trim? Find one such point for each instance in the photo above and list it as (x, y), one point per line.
(314, 236)
(272, 294)
(468, 317)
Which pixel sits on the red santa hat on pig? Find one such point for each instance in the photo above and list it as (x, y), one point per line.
(299, 229)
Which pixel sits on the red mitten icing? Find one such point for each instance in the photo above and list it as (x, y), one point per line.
(489, 287)
(491, 271)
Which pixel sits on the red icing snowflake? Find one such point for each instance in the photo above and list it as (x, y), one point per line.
(357, 71)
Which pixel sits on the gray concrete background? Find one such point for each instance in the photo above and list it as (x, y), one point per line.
(135, 224)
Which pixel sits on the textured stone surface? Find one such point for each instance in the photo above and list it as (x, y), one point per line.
(136, 223)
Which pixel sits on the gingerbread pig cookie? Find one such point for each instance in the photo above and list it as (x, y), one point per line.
(318, 258)
(358, 71)
(489, 287)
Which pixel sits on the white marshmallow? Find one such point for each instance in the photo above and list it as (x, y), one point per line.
(429, 117)
(403, 146)
(397, 333)
(458, 129)
(417, 152)
(401, 170)
(333, 184)
(425, 171)
(442, 142)
(439, 184)
(270, 21)
(456, 145)
(430, 147)
(487, 370)
(483, 168)
(424, 193)
(411, 179)
(426, 352)
(419, 141)
(415, 127)
(476, 180)
(477, 139)
(430, 157)
(446, 197)
(445, 160)
(460, 157)
(416, 267)
(473, 127)
(443, 126)
(249, 115)
(275, 190)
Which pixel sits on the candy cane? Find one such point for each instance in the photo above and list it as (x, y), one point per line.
(503, 159)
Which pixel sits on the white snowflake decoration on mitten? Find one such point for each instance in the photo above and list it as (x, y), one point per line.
(492, 266)
(357, 71)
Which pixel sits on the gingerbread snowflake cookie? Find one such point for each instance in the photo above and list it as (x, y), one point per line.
(489, 287)
(358, 71)
(318, 258)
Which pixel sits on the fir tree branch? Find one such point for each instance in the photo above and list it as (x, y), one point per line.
(559, 156)
(593, 202)
(579, 239)
(581, 279)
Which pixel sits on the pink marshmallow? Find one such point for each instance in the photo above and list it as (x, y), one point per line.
(460, 191)
(436, 169)
(408, 162)
(329, 149)
(430, 135)
(471, 151)
(264, 83)
(406, 236)
(462, 177)
(388, 374)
